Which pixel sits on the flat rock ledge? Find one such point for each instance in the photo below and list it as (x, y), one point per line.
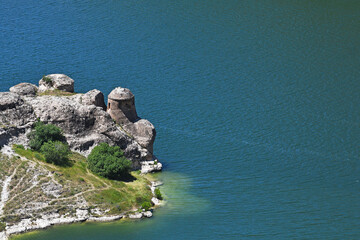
(139, 215)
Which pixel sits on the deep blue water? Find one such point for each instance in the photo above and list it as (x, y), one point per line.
(256, 105)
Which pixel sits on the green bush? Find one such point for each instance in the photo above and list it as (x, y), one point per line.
(47, 80)
(2, 226)
(158, 194)
(146, 205)
(109, 162)
(56, 152)
(43, 133)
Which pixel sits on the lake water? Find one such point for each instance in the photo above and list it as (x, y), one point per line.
(256, 104)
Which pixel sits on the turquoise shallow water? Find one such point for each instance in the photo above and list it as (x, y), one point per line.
(256, 104)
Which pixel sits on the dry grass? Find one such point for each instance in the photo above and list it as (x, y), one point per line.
(78, 185)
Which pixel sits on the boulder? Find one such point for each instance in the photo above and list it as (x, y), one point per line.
(24, 89)
(94, 97)
(155, 201)
(56, 81)
(144, 133)
(136, 215)
(147, 214)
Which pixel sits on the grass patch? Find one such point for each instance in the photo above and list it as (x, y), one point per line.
(27, 153)
(113, 196)
(56, 92)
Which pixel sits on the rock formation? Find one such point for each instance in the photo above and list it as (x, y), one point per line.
(81, 117)
(121, 107)
(94, 97)
(24, 89)
(56, 81)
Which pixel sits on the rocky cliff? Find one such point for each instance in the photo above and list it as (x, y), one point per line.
(82, 117)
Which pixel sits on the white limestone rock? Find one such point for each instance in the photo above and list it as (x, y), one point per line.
(94, 97)
(24, 89)
(136, 215)
(57, 81)
(147, 214)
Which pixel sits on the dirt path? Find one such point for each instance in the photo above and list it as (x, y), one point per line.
(5, 191)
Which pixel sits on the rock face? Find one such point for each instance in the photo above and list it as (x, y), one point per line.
(121, 107)
(81, 117)
(24, 89)
(16, 116)
(143, 132)
(94, 97)
(56, 81)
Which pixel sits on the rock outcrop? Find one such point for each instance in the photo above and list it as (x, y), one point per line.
(56, 81)
(24, 89)
(94, 97)
(82, 119)
(16, 116)
(121, 107)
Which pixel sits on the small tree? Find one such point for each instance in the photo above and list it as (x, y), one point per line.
(56, 152)
(109, 162)
(44, 133)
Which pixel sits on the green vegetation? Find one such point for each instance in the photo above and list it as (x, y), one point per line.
(43, 133)
(50, 141)
(109, 162)
(56, 92)
(146, 205)
(114, 196)
(56, 152)
(158, 194)
(48, 80)
(2, 226)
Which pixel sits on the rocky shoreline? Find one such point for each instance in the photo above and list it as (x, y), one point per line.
(47, 221)
(37, 195)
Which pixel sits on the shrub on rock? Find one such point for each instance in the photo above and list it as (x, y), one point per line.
(146, 205)
(43, 133)
(109, 161)
(158, 194)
